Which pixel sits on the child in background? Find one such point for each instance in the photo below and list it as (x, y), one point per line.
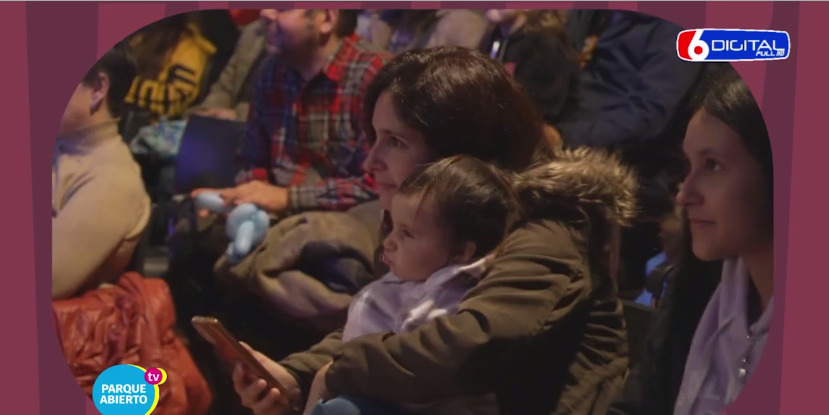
(446, 221)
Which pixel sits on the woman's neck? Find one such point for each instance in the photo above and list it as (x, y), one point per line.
(510, 27)
(760, 266)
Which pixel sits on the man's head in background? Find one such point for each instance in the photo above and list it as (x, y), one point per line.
(100, 95)
(298, 35)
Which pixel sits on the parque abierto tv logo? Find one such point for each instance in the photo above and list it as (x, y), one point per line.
(127, 390)
(732, 45)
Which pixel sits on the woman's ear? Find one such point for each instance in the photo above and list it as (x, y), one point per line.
(100, 90)
(464, 253)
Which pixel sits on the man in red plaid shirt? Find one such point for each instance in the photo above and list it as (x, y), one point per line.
(304, 148)
(304, 143)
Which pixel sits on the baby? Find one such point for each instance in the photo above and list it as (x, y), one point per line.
(447, 221)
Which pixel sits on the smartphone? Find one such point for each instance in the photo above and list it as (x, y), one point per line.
(212, 330)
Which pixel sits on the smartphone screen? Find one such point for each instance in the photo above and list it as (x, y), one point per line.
(230, 350)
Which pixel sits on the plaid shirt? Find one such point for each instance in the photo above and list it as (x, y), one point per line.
(307, 135)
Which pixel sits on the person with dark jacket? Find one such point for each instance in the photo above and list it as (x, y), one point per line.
(632, 84)
(533, 46)
(543, 329)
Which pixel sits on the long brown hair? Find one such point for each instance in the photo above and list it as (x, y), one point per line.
(462, 102)
(687, 294)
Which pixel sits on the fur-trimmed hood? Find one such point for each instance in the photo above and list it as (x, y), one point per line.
(582, 177)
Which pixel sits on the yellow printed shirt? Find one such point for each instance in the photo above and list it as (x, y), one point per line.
(178, 84)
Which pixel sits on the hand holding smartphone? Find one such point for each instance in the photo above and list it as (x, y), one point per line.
(232, 352)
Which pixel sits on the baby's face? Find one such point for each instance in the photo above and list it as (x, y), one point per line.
(419, 244)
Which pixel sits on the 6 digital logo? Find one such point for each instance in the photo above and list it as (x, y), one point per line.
(729, 45)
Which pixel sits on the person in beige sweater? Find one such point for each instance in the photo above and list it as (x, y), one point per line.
(99, 205)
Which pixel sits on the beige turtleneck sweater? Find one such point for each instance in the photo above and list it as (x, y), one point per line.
(99, 209)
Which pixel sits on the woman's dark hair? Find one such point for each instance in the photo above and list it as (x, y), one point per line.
(663, 364)
(153, 44)
(119, 67)
(462, 102)
(473, 199)
(727, 97)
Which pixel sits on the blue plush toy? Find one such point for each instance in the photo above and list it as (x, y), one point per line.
(246, 226)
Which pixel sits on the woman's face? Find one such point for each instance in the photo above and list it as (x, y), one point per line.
(724, 194)
(398, 151)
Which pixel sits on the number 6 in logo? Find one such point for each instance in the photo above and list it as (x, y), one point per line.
(689, 47)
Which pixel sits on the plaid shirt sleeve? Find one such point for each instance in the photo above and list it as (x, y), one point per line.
(336, 193)
(342, 193)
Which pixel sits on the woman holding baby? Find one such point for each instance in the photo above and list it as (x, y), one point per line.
(537, 329)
